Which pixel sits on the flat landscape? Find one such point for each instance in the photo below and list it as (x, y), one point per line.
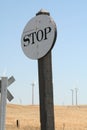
(28, 118)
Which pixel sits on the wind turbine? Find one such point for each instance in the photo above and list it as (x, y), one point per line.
(76, 90)
(33, 85)
(72, 96)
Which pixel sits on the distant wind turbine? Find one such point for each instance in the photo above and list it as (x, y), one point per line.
(4, 72)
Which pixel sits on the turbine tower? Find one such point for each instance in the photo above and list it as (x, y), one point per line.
(72, 96)
(76, 90)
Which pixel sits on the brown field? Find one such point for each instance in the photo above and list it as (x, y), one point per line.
(66, 117)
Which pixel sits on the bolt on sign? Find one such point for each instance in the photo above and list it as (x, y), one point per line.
(38, 38)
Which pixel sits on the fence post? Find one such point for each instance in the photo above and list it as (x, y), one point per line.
(17, 123)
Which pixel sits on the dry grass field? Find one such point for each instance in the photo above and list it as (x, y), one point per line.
(66, 117)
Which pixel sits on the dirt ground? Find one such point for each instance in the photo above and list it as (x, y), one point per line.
(28, 118)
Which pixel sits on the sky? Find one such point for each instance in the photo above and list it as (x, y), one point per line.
(69, 54)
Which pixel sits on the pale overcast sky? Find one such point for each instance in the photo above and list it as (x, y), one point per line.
(69, 55)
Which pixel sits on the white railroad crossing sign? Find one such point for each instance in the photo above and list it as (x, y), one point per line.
(5, 94)
(10, 81)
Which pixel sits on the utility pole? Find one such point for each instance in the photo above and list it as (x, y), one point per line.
(72, 96)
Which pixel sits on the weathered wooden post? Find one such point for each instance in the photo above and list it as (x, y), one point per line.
(46, 93)
(38, 38)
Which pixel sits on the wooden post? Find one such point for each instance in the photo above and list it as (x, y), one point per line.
(46, 93)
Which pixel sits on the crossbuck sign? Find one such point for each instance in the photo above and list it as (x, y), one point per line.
(5, 94)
